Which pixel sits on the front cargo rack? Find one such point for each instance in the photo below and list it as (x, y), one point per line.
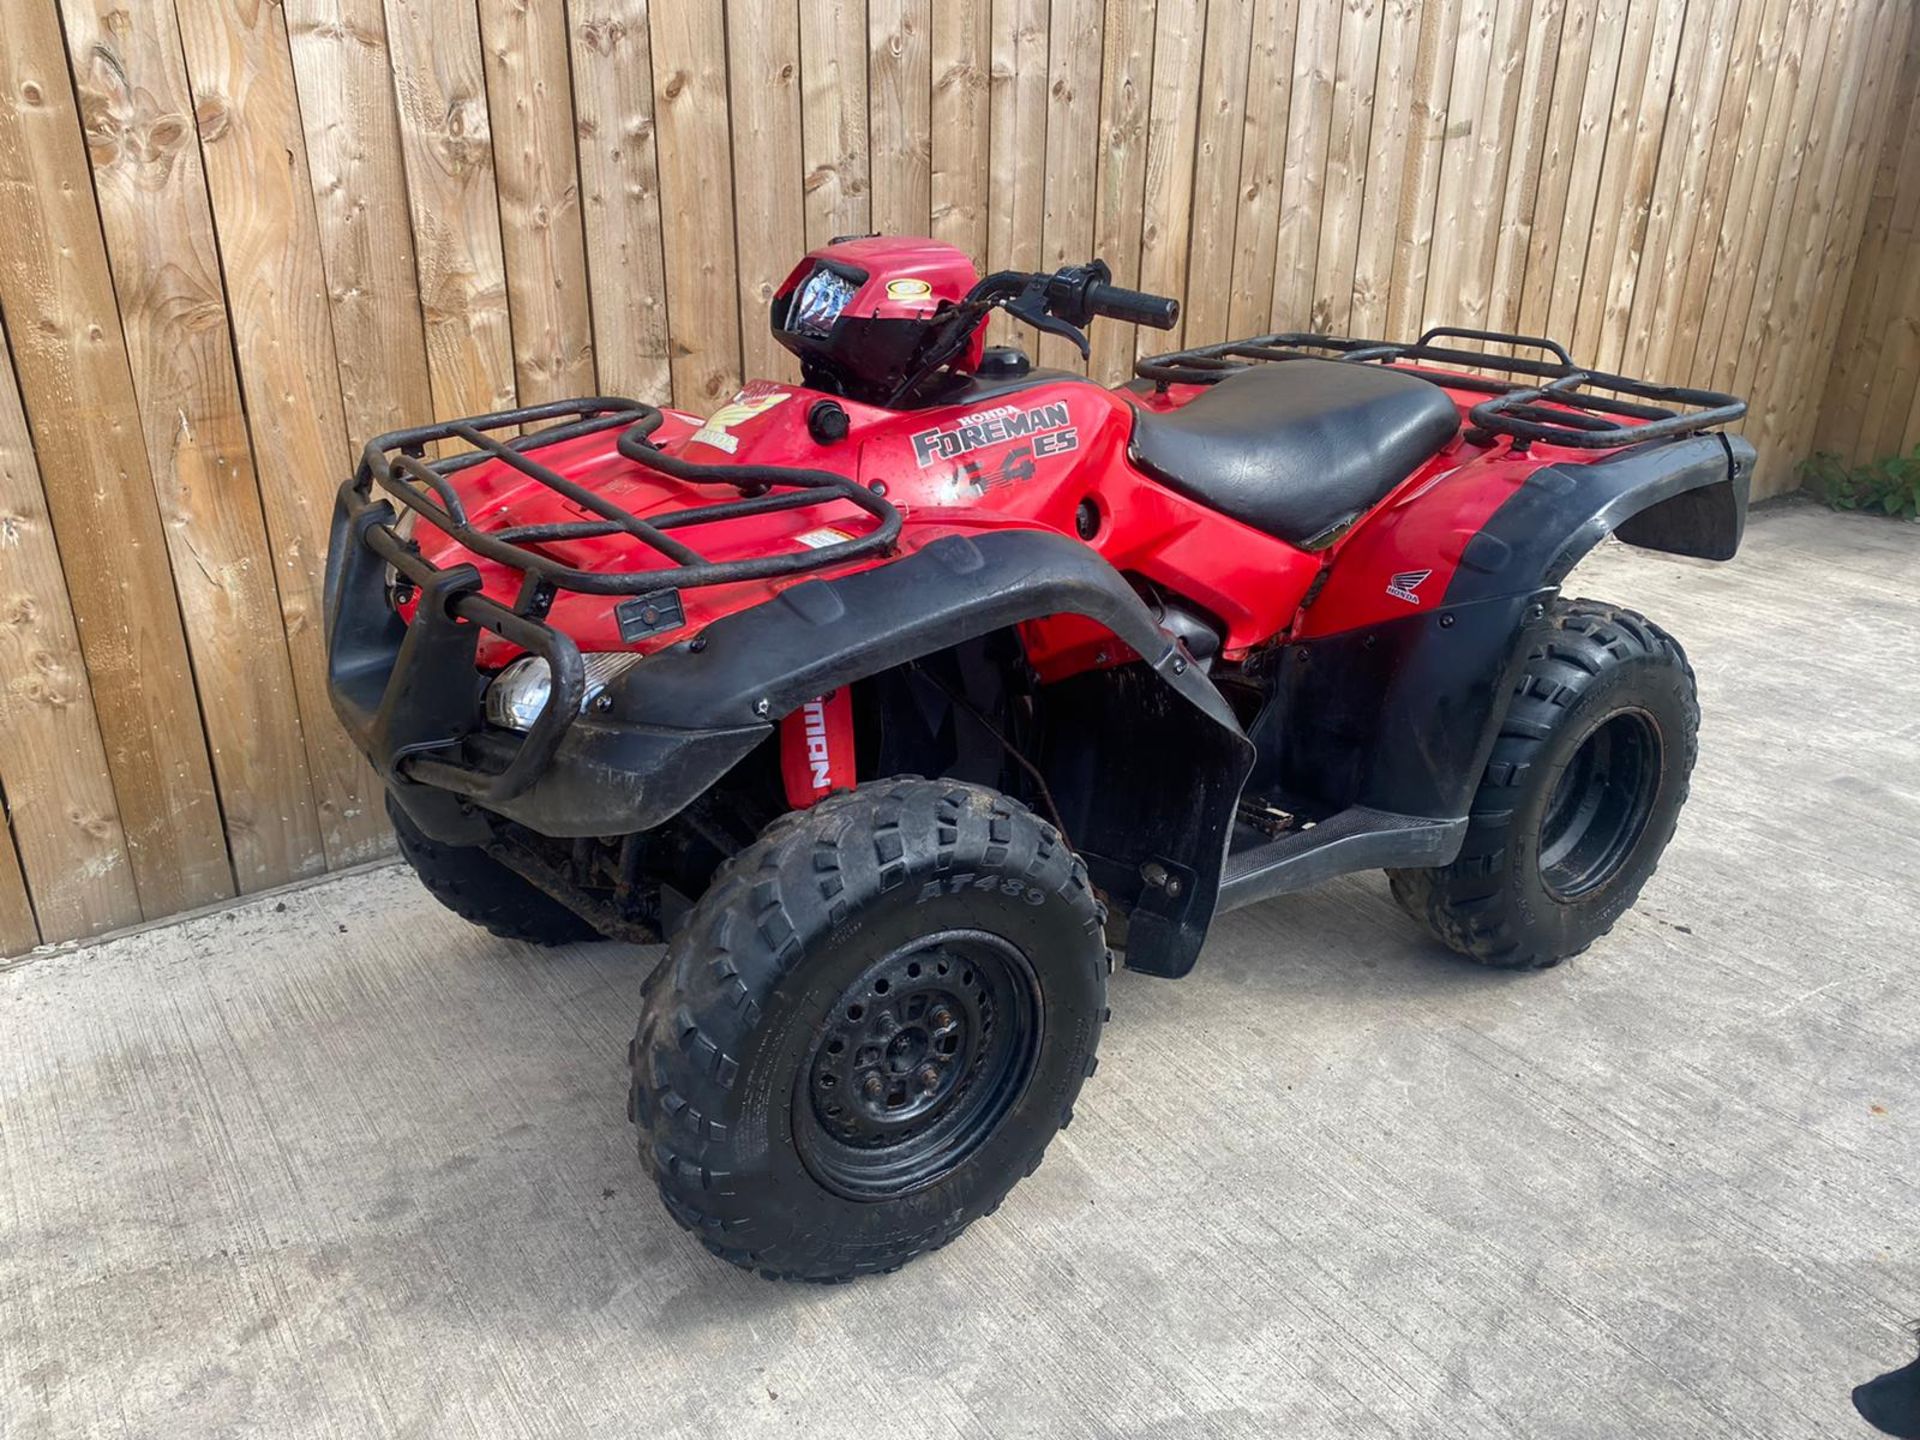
(1556, 402)
(407, 690)
(397, 466)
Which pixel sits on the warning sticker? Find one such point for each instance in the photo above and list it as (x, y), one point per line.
(826, 535)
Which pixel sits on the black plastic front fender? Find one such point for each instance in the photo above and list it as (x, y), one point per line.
(675, 723)
(819, 634)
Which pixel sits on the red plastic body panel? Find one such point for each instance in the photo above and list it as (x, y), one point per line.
(1033, 457)
(1026, 460)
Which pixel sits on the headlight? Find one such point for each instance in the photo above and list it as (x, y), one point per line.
(823, 295)
(520, 692)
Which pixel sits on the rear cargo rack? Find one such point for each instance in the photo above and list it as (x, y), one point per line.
(396, 465)
(1556, 402)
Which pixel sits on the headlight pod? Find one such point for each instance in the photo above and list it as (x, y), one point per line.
(519, 693)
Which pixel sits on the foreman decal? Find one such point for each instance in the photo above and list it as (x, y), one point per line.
(993, 427)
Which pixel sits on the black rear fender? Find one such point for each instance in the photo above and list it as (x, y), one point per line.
(1401, 716)
(1684, 497)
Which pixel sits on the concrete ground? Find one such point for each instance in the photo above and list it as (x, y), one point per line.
(334, 1163)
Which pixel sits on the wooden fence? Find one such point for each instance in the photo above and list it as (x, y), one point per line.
(1872, 404)
(243, 235)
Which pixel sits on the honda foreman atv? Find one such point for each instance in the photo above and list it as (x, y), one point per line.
(891, 699)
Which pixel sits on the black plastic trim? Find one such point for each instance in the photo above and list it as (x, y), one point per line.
(768, 660)
(1357, 838)
(1398, 717)
(1543, 529)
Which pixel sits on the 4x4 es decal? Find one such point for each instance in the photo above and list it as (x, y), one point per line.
(1050, 427)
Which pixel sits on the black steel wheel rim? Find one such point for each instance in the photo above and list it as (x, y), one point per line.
(917, 1063)
(1600, 805)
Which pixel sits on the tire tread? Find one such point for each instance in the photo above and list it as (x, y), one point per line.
(744, 936)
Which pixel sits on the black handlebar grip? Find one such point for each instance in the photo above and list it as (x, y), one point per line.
(1162, 312)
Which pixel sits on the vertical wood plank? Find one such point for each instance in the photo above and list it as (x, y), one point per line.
(1420, 190)
(1560, 137)
(1844, 243)
(138, 113)
(696, 200)
(900, 115)
(763, 59)
(1017, 103)
(1303, 174)
(1741, 366)
(1743, 237)
(1173, 121)
(1402, 30)
(1519, 202)
(344, 81)
(1698, 341)
(1558, 262)
(1626, 182)
(241, 70)
(54, 775)
(1461, 227)
(1263, 158)
(1216, 172)
(1887, 261)
(1126, 87)
(529, 105)
(613, 107)
(833, 91)
(440, 84)
(1893, 365)
(1910, 438)
(962, 46)
(1734, 164)
(18, 932)
(1687, 194)
(1831, 87)
(1072, 155)
(1848, 84)
(71, 363)
(1349, 156)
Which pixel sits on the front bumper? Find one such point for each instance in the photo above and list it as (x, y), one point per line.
(409, 695)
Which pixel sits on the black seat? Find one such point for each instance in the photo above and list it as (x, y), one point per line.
(1296, 447)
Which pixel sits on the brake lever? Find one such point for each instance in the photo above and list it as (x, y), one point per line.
(1031, 306)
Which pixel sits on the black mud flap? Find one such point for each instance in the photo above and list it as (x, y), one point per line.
(1147, 790)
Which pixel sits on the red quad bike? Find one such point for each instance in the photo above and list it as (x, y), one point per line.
(892, 699)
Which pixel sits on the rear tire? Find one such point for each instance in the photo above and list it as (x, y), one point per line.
(869, 1029)
(476, 887)
(1580, 795)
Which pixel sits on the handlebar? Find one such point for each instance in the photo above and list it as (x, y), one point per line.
(1060, 304)
(1116, 302)
(1075, 294)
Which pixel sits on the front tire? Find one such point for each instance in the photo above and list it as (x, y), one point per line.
(1580, 795)
(479, 889)
(869, 1029)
